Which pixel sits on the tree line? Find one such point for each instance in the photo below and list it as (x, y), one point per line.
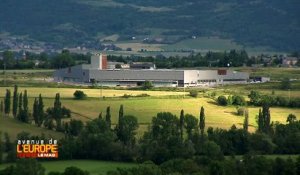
(258, 99)
(51, 118)
(233, 58)
(14, 60)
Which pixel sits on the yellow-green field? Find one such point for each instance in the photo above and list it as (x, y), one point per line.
(68, 92)
(144, 108)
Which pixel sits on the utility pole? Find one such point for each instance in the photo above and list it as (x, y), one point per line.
(101, 89)
(183, 90)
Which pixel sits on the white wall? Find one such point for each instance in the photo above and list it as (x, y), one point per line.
(96, 61)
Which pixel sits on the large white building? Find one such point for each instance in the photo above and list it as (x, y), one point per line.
(97, 73)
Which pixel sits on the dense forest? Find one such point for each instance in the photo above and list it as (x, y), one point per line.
(272, 23)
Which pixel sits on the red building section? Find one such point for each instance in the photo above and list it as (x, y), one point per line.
(104, 62)
(222, 72)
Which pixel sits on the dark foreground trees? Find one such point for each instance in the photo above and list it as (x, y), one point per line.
(33, 167)
(172, 137)
(56, 113)
(246, 165)
(188, 153)
(7, 102)
(24, 167)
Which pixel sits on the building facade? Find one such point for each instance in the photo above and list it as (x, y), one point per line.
(97, 73)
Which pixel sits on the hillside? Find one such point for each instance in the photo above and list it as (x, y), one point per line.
(270, 23)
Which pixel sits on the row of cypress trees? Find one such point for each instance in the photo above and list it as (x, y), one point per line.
(20, 109)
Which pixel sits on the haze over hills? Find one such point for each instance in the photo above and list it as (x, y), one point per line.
(270, 23)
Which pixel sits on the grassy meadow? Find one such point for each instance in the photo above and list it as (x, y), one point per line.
(204, 43)
(14, 127)
(275, 73)
(144, 108)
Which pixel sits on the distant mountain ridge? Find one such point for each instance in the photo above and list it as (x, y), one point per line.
(273, 23)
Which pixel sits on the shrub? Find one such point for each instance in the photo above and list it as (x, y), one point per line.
(193, 93)
(126, 96)
(79, 95)
(229, 100)
(222, 100)
(241, 111)
(238, 100)
(118, 66)
(254, 97)
(291, 118)
(294, 102)
(266, 99)
(282, 101)
(143, 95)
(286, 84)
(147, 85)
(213, 94)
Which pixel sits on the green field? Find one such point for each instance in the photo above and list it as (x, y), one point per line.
(14, 127)
(274, 73)
(146, 108)
(94, 167)
(205, 44)
(267, 90)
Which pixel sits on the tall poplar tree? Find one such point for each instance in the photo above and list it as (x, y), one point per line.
(35, 111)
(57, 112)
(202, 121)
(181, 123)
(25, 113)
(108, 117)
(7, 102)
(20, 105)
(267, 118)
(100, 116)
(120, 125)
(25, 101)
(40, 111)
(246, 120)
(15, 101)
(260, 121)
